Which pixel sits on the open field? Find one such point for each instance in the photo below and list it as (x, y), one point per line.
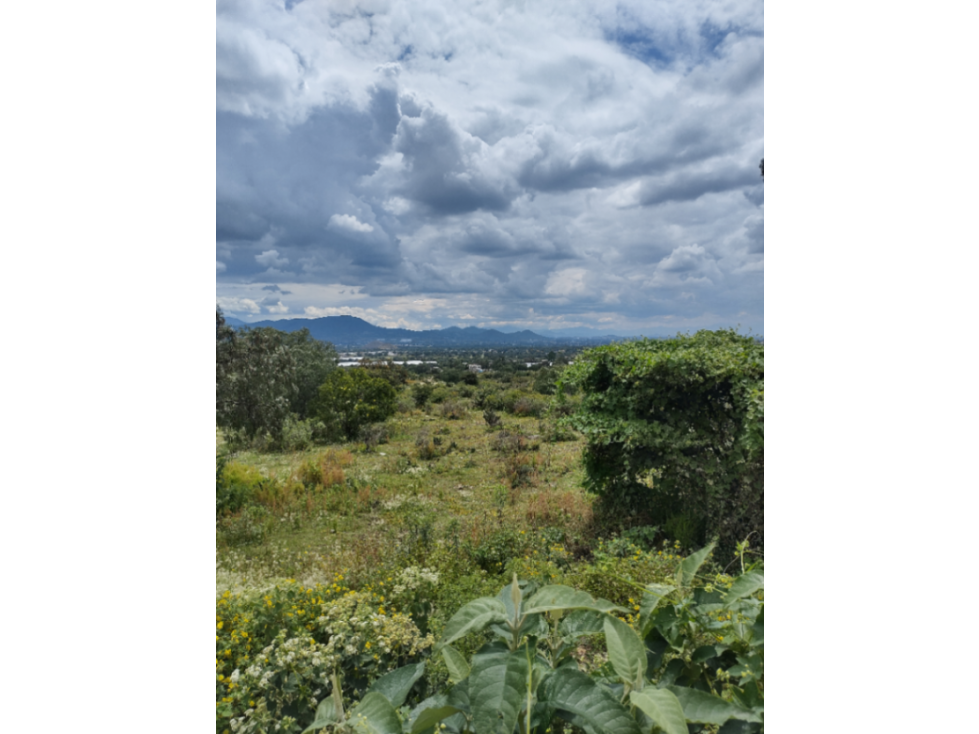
(435, 481)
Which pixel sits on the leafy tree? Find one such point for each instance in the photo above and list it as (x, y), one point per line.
(351, 398)
(256, 380)
(675, 432)
(225, 345)
(396, 374)
(315, 360)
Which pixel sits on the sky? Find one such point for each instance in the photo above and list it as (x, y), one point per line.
(545, 165)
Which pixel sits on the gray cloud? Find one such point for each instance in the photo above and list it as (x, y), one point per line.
(492, 163)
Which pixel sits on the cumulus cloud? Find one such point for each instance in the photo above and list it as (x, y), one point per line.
(271, 259)
(555, 162)
(349, 222)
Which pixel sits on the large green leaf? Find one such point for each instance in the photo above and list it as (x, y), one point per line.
(473, 617)
(375, 715)
(557, 597)
(662, 707)
(691, 564)
(703, 708)
(429, 717)
(744, 585)
(497, 688)
(394, 686)
(592, 707)
(582, 622)
(651, 598)
(456, 663)
(325, 715)
(625, 651)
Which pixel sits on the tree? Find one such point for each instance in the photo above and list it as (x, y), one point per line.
(351, 398)
(315, 360)
(225, 343)
(675, 432)
(256, 381)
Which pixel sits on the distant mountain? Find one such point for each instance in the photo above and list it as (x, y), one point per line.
(350, 331)
(582, 332)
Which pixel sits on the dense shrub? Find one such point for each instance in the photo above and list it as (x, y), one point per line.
(236, 485)
(351, 398)
(454, 409)
(277, 650)
(675, 433)
(421, 393)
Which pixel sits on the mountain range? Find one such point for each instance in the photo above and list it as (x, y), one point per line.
(350, 331)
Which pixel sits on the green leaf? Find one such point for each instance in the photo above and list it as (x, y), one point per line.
(456, 663)
(376, 714)
(704, 708)
(497, 686)
(325, 715)
(691, 564)
(394, 686)
(625, 651)
(744, 585)
(662, 707)
(557, 597)
(592, 707)
(705, 653)
(758, 629)
(582, 622)
(473, 617)
(651, 598)
(431, 716)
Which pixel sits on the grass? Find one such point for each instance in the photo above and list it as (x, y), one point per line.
(443, 478)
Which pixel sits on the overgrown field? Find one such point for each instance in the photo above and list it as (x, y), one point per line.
(341, 566)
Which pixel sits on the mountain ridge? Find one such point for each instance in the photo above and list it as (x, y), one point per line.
(353, 331)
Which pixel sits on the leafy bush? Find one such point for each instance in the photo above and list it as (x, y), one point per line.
(675, 433)
(276, 652)
(422, 393)
(528, 405)
(683, 659)
(374, 434)
(297, 434)
(491, 418)
(351, 398)
(325, 470)
(488, 398)
(236, 485)
(454, 409)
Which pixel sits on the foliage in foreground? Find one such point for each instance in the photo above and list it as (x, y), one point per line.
(675, 432)
(686, 656)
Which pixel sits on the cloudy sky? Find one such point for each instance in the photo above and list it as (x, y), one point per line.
(550, 164)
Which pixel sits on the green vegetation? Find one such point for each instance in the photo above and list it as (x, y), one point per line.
(362, 548)
(675, 433)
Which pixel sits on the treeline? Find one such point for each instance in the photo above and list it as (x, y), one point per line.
(283, 390)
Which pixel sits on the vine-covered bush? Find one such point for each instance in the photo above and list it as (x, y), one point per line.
(675, 432)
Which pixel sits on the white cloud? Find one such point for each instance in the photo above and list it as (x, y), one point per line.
(238, 305)
(221, 267)
(349, 222)
(271, 259)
